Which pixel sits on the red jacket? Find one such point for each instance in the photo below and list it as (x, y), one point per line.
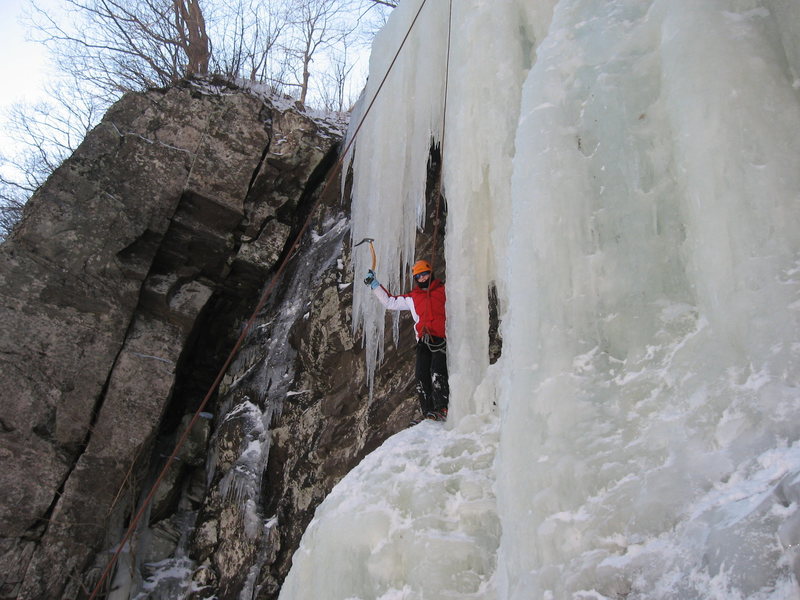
(426, 306)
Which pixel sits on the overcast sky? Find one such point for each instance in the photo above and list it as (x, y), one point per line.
(22, 70)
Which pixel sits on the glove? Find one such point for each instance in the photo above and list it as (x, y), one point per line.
(371, 279)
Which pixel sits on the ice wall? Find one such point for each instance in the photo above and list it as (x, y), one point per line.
(652, 363)
(397, 131)
(628, 174)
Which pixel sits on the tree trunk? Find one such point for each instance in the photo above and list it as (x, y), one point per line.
(192, 31)
(306, 77)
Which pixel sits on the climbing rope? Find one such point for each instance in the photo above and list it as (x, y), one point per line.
(250, 322)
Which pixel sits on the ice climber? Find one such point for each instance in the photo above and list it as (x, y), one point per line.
(426, 303)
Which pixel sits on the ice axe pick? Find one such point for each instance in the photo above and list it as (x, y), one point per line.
(371, 249)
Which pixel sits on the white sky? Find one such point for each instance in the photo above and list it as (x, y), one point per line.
(23, 68)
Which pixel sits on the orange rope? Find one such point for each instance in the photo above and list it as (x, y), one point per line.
(182, 440)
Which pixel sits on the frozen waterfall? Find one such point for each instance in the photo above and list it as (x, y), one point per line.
(627, 173)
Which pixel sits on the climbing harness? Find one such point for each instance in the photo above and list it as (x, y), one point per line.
(250, 322)
(427, 339)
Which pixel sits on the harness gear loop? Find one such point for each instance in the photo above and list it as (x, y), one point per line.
(427, 339)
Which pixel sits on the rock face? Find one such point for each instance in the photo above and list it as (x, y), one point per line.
(123, 290)
(300, 418)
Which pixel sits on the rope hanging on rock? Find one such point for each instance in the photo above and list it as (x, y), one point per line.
(248, 326)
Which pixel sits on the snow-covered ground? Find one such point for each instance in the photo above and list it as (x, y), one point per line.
(628, 174)
(418, 514)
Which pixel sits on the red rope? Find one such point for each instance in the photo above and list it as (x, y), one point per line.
(264, 296)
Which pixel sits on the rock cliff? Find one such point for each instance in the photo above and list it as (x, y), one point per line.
(123, 290)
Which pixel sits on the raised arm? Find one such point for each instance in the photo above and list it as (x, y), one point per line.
(389, 301)
(392, 302)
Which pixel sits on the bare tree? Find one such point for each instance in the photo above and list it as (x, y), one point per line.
(317, 25)
(190, 26)
(114, 46)
(109, 47)
(104, 48)
(247, 40)
(44, 135)
(264, 63)
(122, 45)
(333, 91)
(12, 202)
(49, 132)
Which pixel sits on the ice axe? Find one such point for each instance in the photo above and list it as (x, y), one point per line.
(371, 249)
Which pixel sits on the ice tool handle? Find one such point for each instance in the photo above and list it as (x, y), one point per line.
(371, 249)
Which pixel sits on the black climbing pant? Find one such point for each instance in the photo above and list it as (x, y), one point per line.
(433, 390)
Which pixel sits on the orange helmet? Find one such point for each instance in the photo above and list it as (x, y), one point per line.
(420, 267)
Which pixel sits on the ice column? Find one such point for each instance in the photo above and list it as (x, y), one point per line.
(651, 336)
(493, 46)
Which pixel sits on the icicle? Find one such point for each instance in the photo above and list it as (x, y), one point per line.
(388, 202)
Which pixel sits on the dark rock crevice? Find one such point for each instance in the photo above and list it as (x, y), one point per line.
(248, 202)
(495, 338)
(315, 185)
